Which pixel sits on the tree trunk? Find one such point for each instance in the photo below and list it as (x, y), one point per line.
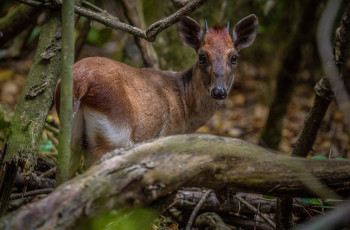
(324, 97)
(148, 171)
(26, 128)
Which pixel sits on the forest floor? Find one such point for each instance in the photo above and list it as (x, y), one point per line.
(244, 112)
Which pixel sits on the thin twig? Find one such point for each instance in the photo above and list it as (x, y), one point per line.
(316, 211)
(48, 173)
(51, 128)
(255, 216)
(53, 140)
(301, 205)
(110, 21)
(92, 6)
(31, 193)
(251, 207)
(36, 3)
(196, 209)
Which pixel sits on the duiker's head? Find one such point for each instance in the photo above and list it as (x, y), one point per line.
(217, 51)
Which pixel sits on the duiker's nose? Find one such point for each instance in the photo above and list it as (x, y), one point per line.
(219, 93)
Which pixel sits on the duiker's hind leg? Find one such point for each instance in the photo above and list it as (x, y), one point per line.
(102, 135)
(78, 142)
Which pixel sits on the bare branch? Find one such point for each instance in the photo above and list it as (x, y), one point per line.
(51, 128)
(34, 182)
(36, 3)
(31, 193)
(149, 34)
(196, 209)
(48, 173)
(251, 207)
(110, 21)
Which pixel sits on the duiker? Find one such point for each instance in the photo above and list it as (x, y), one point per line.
(116, 105)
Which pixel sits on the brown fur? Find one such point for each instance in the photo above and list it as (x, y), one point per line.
(147, 102)
(218, 46)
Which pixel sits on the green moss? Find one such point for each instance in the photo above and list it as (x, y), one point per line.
(135, 218)
(28, 121)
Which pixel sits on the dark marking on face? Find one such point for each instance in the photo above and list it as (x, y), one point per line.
(214, 60)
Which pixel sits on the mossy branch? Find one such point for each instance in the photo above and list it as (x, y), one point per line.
(146, 172)
(27, 124)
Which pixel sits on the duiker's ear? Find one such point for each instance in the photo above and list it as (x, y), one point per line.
(245, 32)
(190, 32)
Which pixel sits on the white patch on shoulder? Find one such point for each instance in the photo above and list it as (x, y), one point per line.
(97, 123)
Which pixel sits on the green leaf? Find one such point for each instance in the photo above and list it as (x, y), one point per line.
(306, 200)
(47, 146)
(340, 159)
(319, 157)
(324, 206)
(49, 119)
(269, 197)
(311, 201)
(35, 33)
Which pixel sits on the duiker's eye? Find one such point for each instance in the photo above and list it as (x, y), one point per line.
(234, 59)
(202, 59)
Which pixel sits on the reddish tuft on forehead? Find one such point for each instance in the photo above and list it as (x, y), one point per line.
(217, 35)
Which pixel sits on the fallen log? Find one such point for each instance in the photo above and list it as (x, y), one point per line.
(139, 175)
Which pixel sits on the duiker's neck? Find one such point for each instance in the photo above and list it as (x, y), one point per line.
(199, 105)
